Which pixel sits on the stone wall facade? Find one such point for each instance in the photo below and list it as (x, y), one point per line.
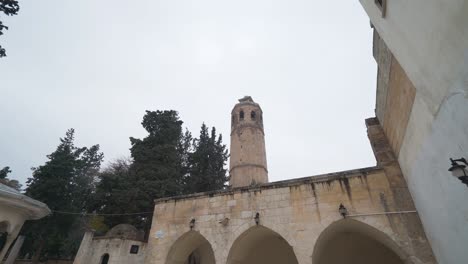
(303, 213)
(395, 94)
(429, 39)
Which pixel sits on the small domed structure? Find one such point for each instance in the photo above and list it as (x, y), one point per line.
(124, 231)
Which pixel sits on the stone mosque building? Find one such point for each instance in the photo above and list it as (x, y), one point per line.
(293, 221)
(407, 209)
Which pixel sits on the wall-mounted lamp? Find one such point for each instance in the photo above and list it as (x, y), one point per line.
(257, 218)
(458, 170)
(343, 211)
(192, 223)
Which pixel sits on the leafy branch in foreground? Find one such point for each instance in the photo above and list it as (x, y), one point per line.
(9, 8)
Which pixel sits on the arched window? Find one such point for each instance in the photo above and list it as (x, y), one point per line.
(241, 115)
(253, 115)
(105, 259)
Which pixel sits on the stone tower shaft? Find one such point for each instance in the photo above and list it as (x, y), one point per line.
(248, 164)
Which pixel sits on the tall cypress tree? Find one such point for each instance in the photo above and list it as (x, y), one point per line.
(207, 161)
(159, 160)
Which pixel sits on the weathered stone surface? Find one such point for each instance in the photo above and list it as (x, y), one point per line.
(297, 210)
(248, 165)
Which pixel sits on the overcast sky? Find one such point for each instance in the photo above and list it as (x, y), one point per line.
(96, 66)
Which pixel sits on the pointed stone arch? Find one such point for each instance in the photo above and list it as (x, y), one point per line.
(261, 245)
(191, 248)
(352, 241)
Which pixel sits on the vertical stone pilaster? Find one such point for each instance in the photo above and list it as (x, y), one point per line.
(407, 225)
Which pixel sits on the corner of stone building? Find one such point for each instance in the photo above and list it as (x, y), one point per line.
(83, 252)
(405, 223)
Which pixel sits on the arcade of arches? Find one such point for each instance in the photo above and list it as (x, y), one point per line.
(344, 241)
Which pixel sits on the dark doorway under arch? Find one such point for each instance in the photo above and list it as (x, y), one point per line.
(350, 241)
(191, 248)
(260, 245)
(105, 259)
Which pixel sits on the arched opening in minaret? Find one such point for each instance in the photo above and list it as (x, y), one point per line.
(351, 241)
(260, 245)
(253, 115)
(241, 115)
(191, 248)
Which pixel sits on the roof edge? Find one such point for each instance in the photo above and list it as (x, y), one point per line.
(35, 209)
(279, 184)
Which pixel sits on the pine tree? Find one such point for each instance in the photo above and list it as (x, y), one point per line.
(207, 171)
(64, 183)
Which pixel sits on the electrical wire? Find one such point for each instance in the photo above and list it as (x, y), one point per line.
(96, 214)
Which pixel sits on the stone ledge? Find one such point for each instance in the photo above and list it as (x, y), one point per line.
(279, 184)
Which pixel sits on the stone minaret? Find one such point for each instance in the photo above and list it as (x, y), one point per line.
(248, 164)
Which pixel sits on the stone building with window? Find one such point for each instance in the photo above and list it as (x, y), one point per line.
(121, 245)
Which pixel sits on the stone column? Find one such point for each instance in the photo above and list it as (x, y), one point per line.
(15, 250)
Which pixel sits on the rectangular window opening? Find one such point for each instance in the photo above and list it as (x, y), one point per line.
(134, 249)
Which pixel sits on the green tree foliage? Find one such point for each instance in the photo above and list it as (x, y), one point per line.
(9, 8)
(9, 182)
(158, 167)
(166, 162)
(158, 158)
(207, 171)
(65, 183)
(117, 193)
(4, 172)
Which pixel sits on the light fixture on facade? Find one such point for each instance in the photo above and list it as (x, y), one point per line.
(257, 218)
(458, 170)
(192, 223)
(343, 211)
